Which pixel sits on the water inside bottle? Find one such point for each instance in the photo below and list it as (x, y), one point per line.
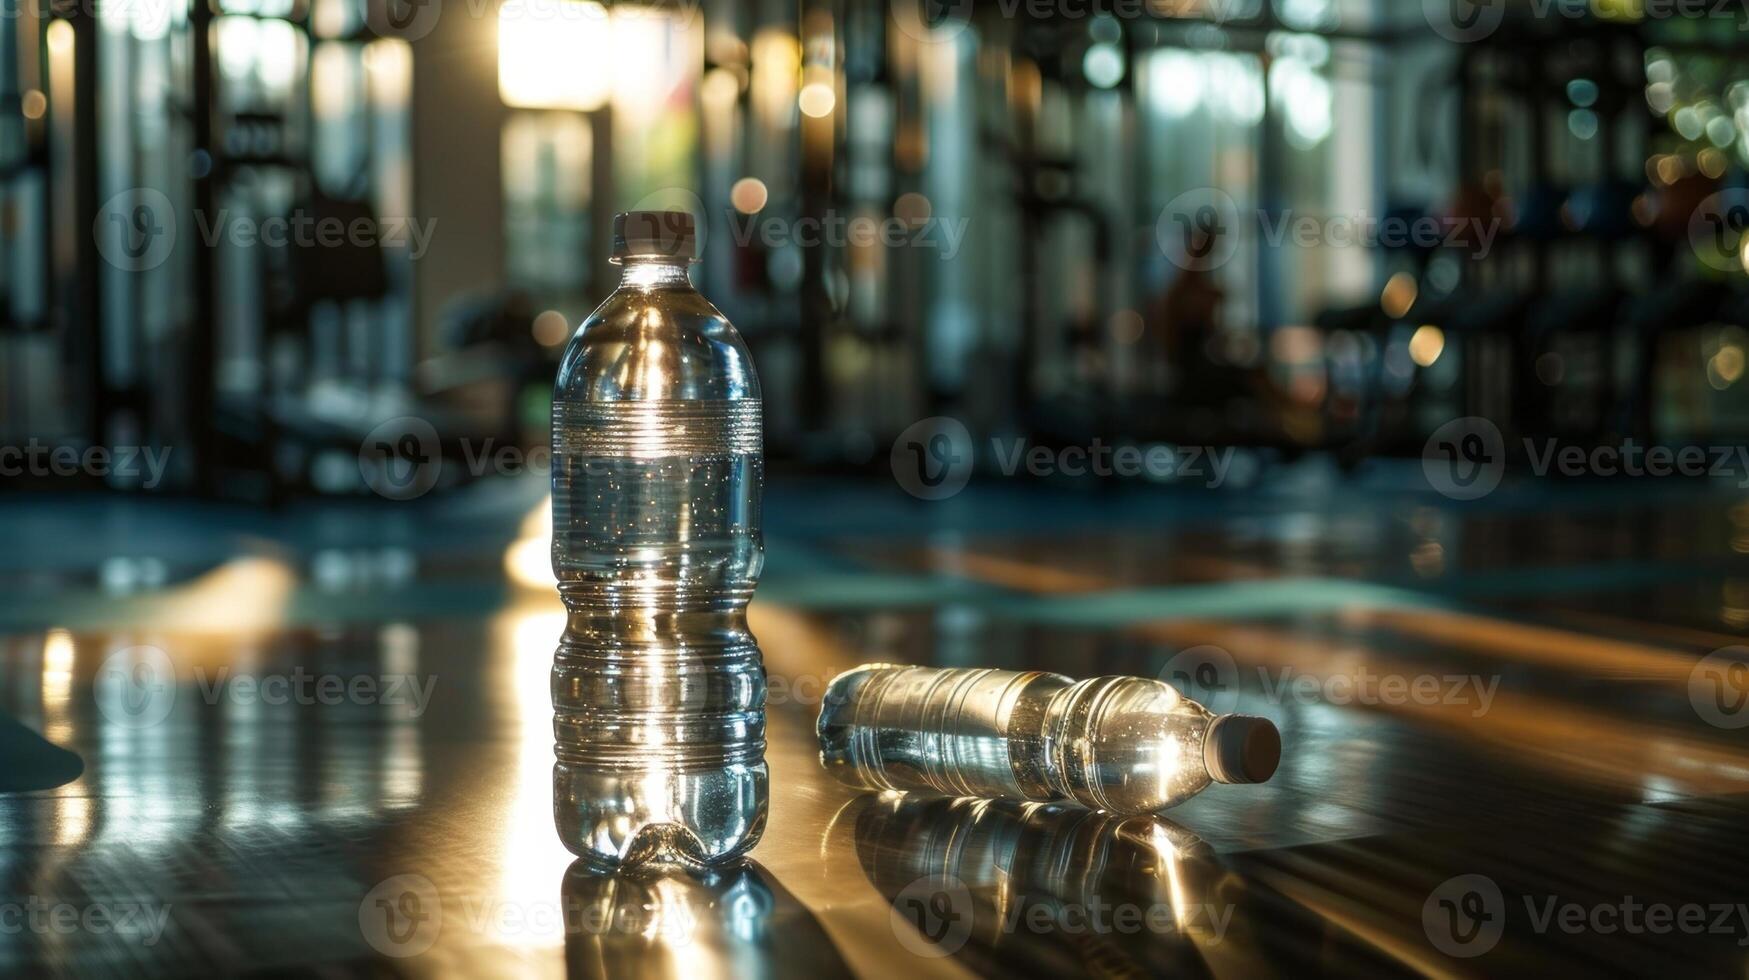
(658, 689)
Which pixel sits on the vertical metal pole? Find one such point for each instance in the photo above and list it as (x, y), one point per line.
(86, 300)
(603, 202)
(1272, 167)
(202, 373)
(816, 301)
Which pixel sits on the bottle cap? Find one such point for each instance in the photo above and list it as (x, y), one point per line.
(659, 234)
(1241, 749)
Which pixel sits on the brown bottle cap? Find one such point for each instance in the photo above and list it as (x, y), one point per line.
(658, 234)
(1241, 749)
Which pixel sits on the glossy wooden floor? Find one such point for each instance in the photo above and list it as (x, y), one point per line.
(1505, 749)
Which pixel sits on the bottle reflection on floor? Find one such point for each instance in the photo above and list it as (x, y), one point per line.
(1035, 888)
(656, 922)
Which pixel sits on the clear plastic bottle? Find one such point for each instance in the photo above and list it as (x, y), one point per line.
(1127, 745)
(658, 689)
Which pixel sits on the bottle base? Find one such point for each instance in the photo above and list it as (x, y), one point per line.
(615, 820)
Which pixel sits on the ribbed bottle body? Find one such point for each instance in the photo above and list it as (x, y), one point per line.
(658, 689)
(1121, 744)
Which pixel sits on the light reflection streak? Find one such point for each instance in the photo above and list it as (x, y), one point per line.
(72, 820)
(403, 778)
(242, 596)
(249, 757)
(1168, 855)
(141, 775)
(57, 685)
(529, 559)
(532, 860)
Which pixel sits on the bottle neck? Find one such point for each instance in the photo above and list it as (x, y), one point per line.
(648, 272)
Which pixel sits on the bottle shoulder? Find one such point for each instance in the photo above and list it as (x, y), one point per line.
(656, 344)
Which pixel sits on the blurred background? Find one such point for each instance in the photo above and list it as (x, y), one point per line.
(253, 230)
(265, 263)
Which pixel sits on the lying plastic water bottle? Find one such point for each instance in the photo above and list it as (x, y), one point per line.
(1126, 745)
(658, 691)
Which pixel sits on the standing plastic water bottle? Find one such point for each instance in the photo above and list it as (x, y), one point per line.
(658, 689)
(1127, 745)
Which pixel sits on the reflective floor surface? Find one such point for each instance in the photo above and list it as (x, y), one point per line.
(321, 739)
